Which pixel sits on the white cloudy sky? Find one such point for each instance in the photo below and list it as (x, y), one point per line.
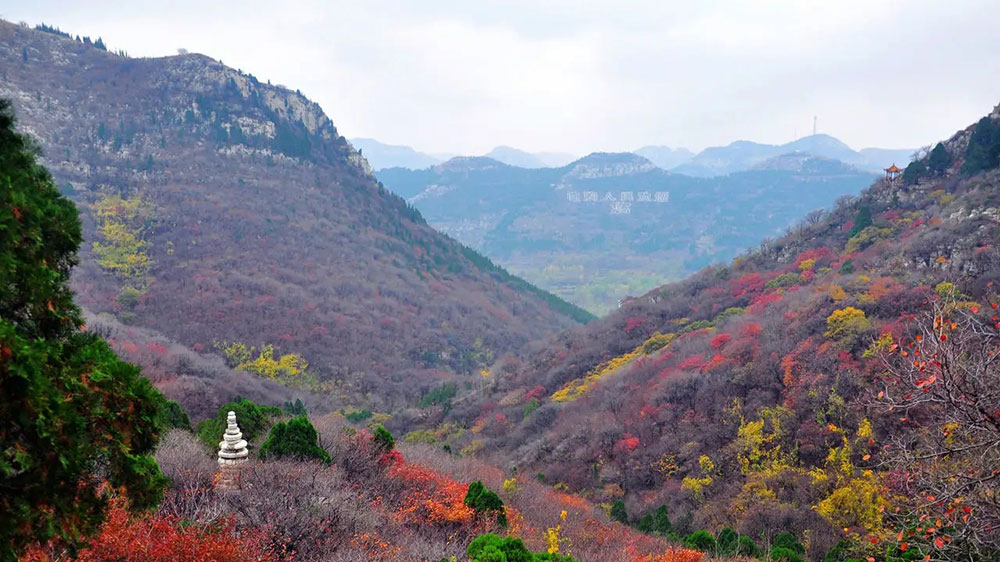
(578, 76)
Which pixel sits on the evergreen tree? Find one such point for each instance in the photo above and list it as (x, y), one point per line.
(914, 172)
(661, 522)
(485, 502)
(294, 409)
(983, 152)
(646, 523)
(618, 512)
(701, 540)
(252, 419)
(727, 542)
(861, 221)
(939, 160)
(297, 439)
(73, 413)
(384, 439)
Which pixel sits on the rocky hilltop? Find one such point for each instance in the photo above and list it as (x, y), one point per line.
(219, 209)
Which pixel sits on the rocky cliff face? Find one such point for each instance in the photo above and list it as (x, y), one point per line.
(257, 222)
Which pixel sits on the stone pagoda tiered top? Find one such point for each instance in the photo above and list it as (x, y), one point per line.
(233, 448)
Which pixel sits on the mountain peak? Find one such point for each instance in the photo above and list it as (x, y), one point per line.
(609, 164)
(470, 163)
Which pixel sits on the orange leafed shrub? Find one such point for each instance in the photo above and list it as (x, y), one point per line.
(164, 539)
(432, 498)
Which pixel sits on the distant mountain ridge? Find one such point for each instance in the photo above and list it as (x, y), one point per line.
(613, 224)
(744, 155)
(381, 155)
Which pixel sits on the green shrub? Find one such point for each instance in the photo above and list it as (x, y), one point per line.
(983, 152)
(485, 502)
(661, 522)
(297, 439)
(358, 415)
(914, 172)
(172, 416)
(939, 160)
(645, 524)
(296, 409)
(847, 267)
(701, 540)
(786, 548)
(746, 546)
(531, 406)
(492, 548)
(618, 512)
(383, 439)
(862, 220)
(784, 280)
(727, 542)
(696, 325)
(251, 418)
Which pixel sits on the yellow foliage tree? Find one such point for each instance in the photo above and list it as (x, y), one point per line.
(846, 324)
(122, 248)
(697, 485)
(289, 369)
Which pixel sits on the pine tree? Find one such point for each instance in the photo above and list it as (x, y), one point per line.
(618, 512)
(73, 413)
(297, 439)
(861, 221)
(661, 522)
(984, 147)
(939, 160)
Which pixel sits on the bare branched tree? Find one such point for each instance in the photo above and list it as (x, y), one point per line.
(941, 392)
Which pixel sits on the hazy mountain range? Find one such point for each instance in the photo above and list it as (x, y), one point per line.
(713, 161)
(613, 224)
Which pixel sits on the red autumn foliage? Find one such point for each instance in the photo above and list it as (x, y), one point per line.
(158, 538)
(633, 323)
(750, 330)
(693, 362)
(627, 443)
(720, 340)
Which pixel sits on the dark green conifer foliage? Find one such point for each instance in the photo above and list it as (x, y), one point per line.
(983, 152)
(746, 546)
(68, 404)
(646, 524)
(485, 502)
(786, 548)
(294, 409)
(727, 542)
(701, 540)
(618, 512)
(251, 418)
(861, 221)
(297, 439)
(914, 172)
(661, 522)
(174, 417)
(384, 439)
(939, 160)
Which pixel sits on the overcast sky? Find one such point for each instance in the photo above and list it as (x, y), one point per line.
(578, 76)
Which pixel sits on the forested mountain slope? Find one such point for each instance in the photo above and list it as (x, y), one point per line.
(221, 210)
(613, 224)
(746, 394)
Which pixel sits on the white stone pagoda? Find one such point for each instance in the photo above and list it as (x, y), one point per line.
(233, 448)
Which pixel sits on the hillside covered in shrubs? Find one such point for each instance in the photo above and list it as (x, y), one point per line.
(824, 384)
(218, 209)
